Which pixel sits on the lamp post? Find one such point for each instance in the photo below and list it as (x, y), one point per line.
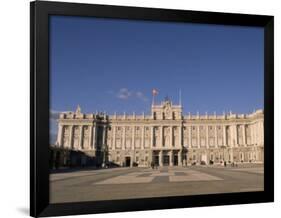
(105, 153)
(223, 147)
(185, 152)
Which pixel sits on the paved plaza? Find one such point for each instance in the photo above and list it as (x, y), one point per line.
(126, 183)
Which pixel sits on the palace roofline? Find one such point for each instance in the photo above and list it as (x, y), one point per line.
(166, 107)
(189, 116)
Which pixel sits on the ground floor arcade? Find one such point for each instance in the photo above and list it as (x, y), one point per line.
(157, 157)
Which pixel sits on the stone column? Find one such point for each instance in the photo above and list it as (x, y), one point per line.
(198, 136)
(142, 138)
(257, 158)
(71, 137)
(133, 138)
(160, 158)
(104, 136)
(255, 133)
(81, 138)
(262, 132)
(233, 141)
(161, 136)
(152, 137)
(244, 135)
(252, 134)
(235, 136)
(207, 136)
(60, 135)
(114, 138)
(180, 158)
(231, 155)
(90, 136)
(224, 135)
(171, 158)
(171, 137)
(258, 133)
(231, 136)
(190, 137)
(216, 137)
(124, 138)
(180, 137)
(94, 143)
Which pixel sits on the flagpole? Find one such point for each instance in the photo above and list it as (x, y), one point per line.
(154, 93)
(180, 97)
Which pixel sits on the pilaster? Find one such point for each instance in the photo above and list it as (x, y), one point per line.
(90, 136)
(161, 136)
(81, 137)
(104, 135)
(71, 136)
(133, 138)
(180, 137)
(114, 138)
(180, 158)
(171, 136)
(244, 135)
(207, 136)
(190, 137)
(142, 138)
(60, 135)
(160, 158)
(216, 136)
(94, 142)
(252, 134)
(198, 136)
(262, 132)
(235, 135)
(224, 135)
(171, 158)
(124, 138)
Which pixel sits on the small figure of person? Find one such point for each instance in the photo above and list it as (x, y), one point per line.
(152, 165)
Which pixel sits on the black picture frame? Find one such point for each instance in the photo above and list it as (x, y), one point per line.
(39, 107)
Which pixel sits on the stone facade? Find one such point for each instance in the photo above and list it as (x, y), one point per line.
(165, 137)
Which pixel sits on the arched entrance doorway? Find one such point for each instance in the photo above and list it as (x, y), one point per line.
(155, 160)
(127, 161)
(176, 160)
(166, 160)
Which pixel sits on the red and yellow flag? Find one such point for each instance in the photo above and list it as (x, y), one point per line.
(154, 92)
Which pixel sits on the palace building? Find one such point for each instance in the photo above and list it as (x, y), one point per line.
(166, 137)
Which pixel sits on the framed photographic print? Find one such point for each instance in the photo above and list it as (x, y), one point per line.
(141, 109)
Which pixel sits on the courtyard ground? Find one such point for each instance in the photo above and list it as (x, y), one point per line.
(125, 183)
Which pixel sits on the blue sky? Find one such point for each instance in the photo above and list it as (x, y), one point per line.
(112, 65)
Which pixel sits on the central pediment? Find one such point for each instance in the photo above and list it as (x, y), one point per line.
(166, 110)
